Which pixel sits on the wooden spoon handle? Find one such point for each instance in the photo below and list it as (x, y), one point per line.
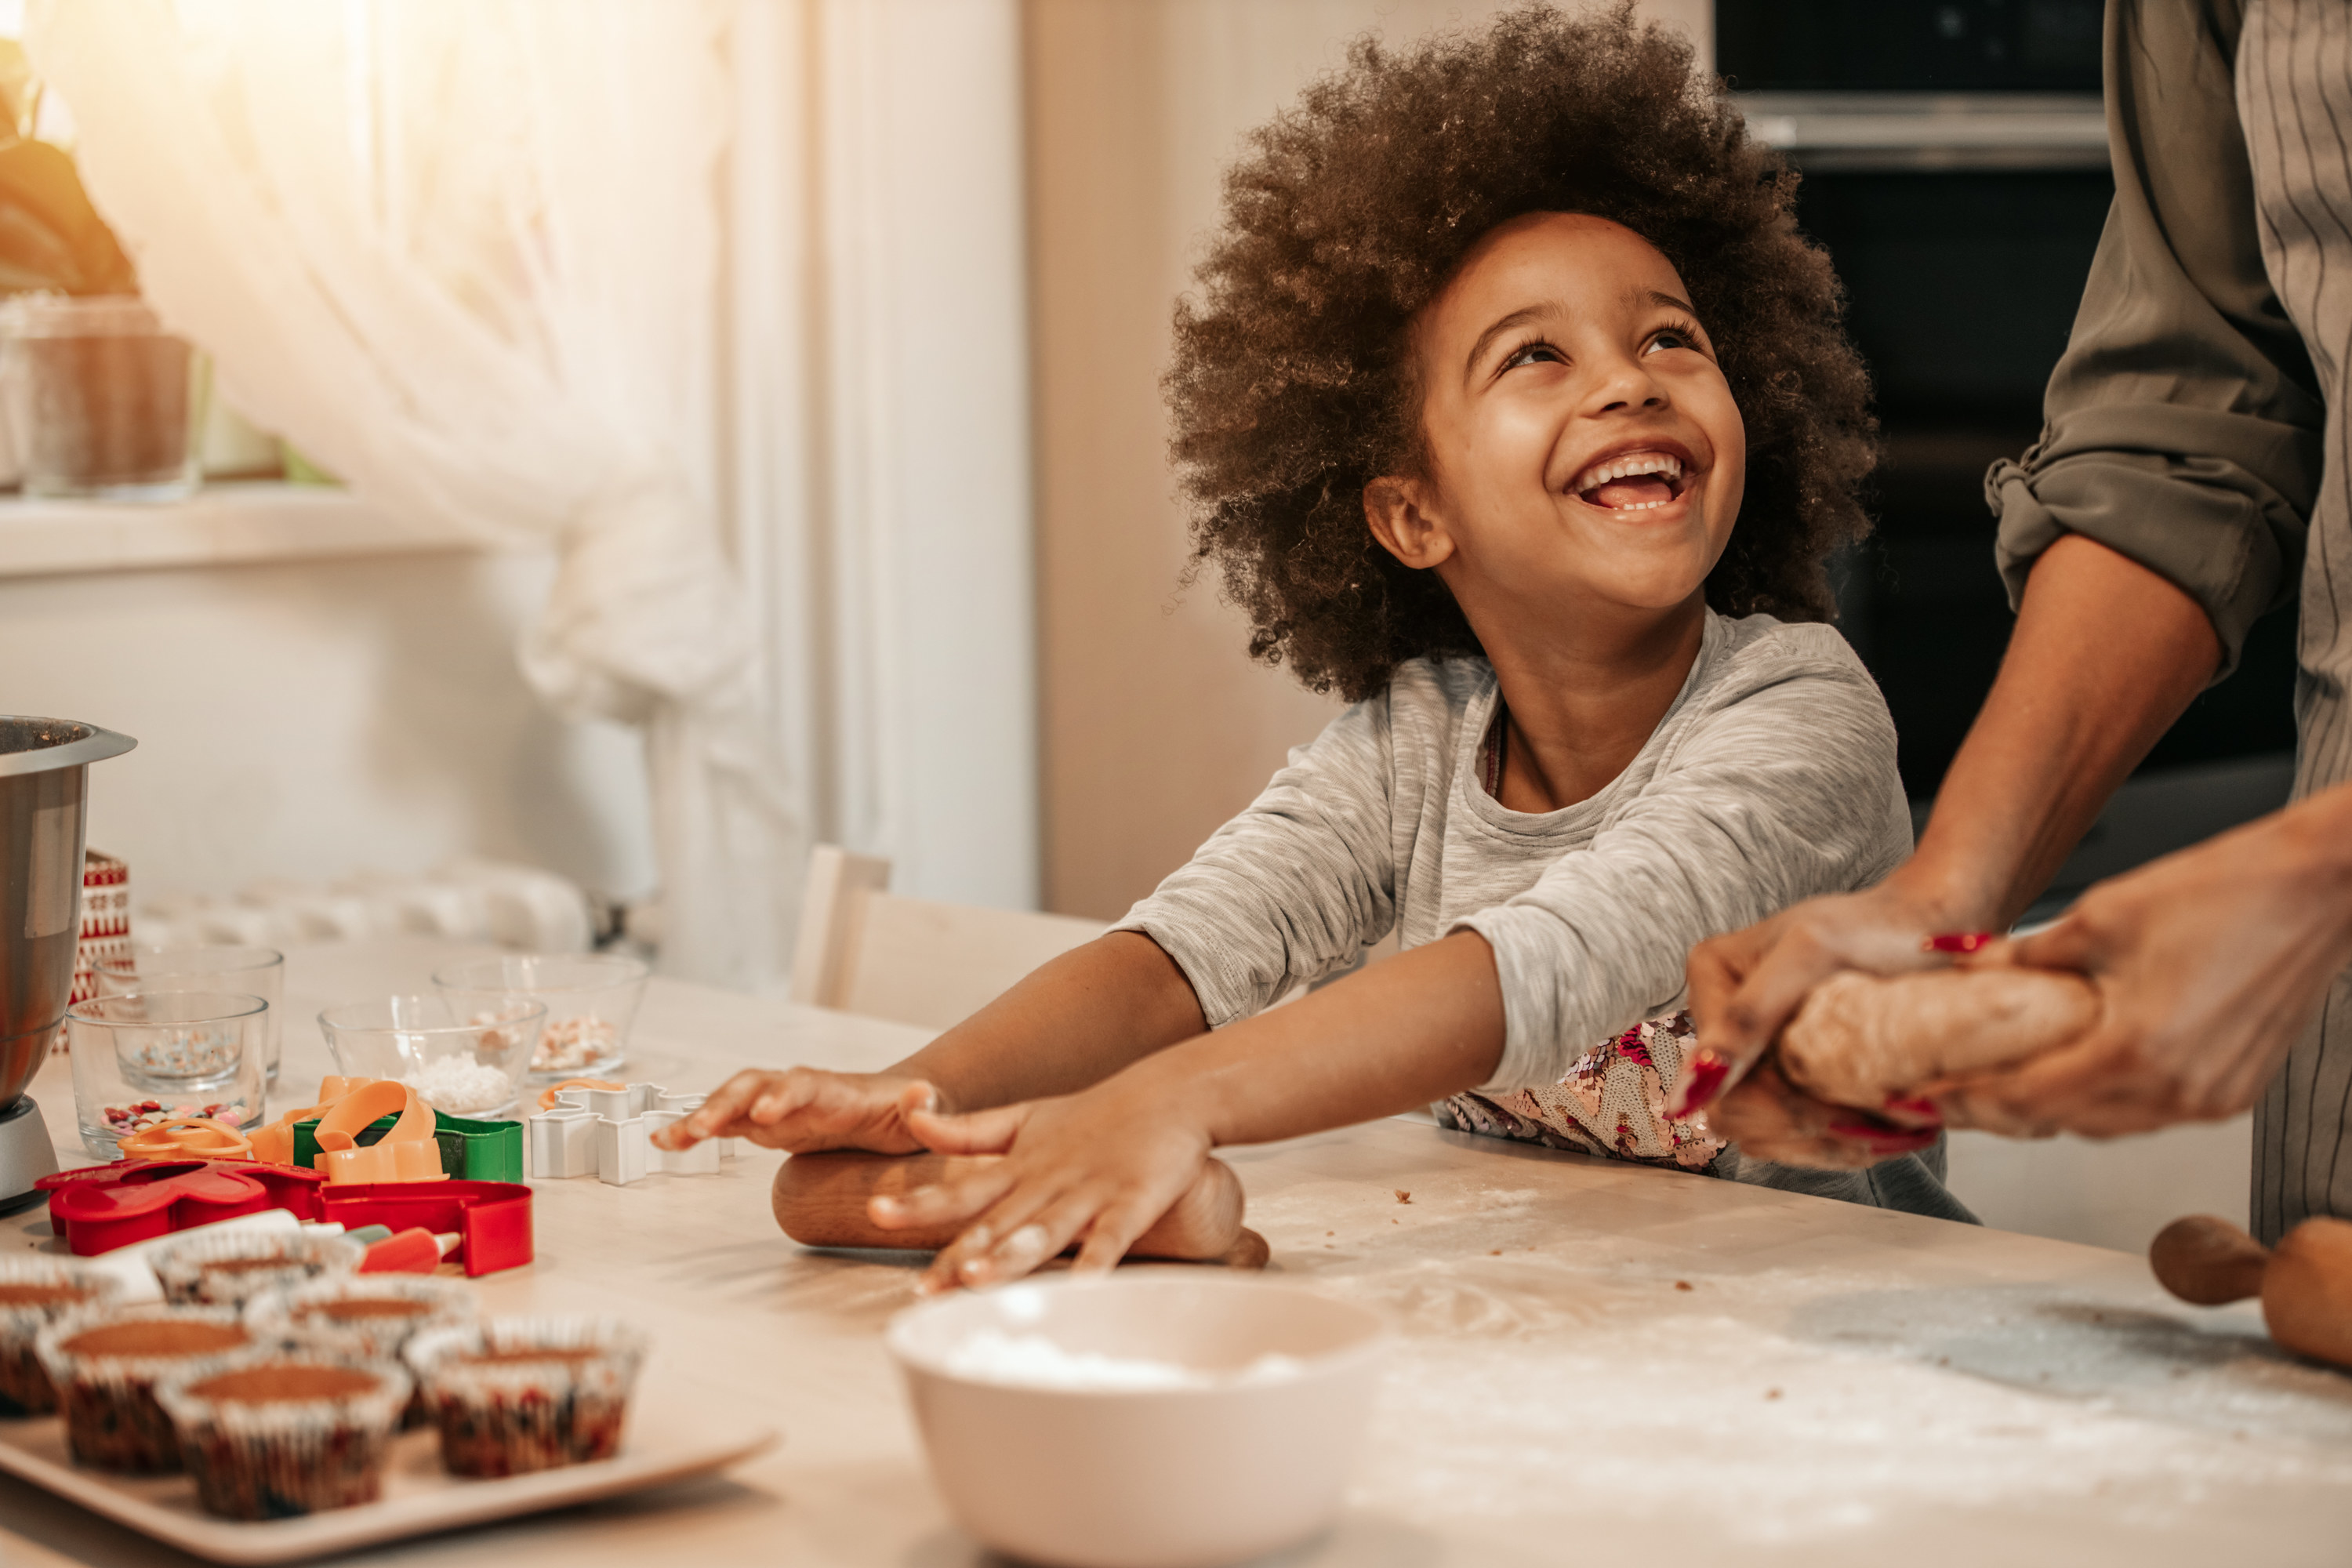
(821, 1201)
(2207, 1260)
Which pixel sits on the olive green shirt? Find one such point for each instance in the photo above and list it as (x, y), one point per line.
(2182, 427)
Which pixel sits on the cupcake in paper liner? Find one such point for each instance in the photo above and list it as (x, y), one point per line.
(106, 1361)
(276, 1434)
(516, 1394)
(370, 1316)
(230, 1271)
(33, 1293)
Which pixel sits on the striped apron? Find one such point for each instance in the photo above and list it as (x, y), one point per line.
(2294, 101)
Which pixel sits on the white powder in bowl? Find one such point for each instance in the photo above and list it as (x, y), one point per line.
(460, 1085)
(1033, 1361)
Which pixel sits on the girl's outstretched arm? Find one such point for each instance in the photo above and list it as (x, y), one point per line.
(1075, 1021)
(1103, 1165)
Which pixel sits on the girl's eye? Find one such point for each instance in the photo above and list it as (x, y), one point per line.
(1674, 338)
(1537, 352)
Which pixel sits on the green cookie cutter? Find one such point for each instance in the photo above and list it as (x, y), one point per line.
(470, 1150)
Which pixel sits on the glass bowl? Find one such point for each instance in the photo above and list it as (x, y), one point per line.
(142, 1060)
(592, 999)
(462, 1064)
(252, 971)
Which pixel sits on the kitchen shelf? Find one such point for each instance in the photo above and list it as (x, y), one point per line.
(221, 525)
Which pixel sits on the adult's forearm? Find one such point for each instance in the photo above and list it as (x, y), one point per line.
(2105, 657)
(1070, 1024)
(1422, 1026)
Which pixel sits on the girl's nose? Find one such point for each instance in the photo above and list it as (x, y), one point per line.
(1624, 382)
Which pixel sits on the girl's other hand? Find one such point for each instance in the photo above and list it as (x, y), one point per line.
(1089, 1168)
(1770, 1118)
(804, 1110)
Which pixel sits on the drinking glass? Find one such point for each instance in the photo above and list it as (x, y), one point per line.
(253, 970)
(592, 999)
(463, 1064)
(146, 1057)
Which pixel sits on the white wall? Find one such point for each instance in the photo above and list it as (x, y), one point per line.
(307, 720)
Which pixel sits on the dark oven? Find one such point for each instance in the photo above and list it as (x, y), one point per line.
(1955, 167)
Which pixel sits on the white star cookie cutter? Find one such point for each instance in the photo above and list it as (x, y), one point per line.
(608, 1133)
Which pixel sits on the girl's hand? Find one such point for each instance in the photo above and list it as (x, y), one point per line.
(2208, 963)
(804, 1110)
(1767, 1117)
(1098, 1168)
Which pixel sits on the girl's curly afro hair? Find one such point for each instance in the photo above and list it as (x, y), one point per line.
(1292, 385)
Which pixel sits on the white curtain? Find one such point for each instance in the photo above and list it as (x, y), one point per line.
(465, 255)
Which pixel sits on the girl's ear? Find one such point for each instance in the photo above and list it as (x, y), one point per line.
(1398, 509)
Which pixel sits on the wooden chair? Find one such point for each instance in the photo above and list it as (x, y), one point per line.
(863, 949)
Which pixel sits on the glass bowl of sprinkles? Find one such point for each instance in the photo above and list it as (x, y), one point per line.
(592, 999)
(147, 1062)
(462, 1064)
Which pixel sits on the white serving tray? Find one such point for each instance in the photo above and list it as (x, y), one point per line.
(670, 1436)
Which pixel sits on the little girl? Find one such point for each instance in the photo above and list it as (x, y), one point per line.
(1499, 339)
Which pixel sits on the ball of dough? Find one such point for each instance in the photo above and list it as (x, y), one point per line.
(1863, 1039)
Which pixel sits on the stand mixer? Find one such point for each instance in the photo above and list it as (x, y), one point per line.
(44, 764)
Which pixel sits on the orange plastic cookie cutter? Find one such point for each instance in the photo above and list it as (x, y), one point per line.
(409, 1152)
(275, 1142)
(189, 1137)
(547, 1096)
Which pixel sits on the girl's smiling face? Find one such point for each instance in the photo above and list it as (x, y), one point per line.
(1581, 444)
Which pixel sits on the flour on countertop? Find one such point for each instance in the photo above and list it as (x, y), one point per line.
(1551, 1384)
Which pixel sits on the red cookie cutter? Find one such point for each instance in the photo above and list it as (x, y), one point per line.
(100, 1207)
(491, 1218)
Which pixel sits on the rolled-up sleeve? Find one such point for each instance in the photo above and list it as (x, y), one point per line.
(2182, 425)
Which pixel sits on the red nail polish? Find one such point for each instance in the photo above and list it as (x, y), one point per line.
(1919, 1105)
(1707, 1070)
(1958, 941)
(1878, 1135)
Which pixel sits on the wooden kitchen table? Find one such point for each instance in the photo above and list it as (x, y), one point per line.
(1599, 1362)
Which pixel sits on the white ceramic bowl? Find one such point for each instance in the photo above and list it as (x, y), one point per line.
(1047, 1446)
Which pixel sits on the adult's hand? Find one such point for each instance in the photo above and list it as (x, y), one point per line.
(1746, 985)
(2208, 963)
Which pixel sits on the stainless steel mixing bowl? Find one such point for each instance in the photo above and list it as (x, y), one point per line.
(43, 770)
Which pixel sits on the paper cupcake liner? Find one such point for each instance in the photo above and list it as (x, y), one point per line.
(294, 1317)
(283, 1459)
(510, 1417)
(24, 1388)
(230, 1271)
(112, 1421)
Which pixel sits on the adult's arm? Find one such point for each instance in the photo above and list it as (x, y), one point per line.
(2160, 514)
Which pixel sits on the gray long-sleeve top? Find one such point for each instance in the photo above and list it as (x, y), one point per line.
(1771, 779)
(2182, 427)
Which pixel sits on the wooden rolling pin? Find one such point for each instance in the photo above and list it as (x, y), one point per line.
(2305, 1283)
(821, 1201)
(1864, 1039)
